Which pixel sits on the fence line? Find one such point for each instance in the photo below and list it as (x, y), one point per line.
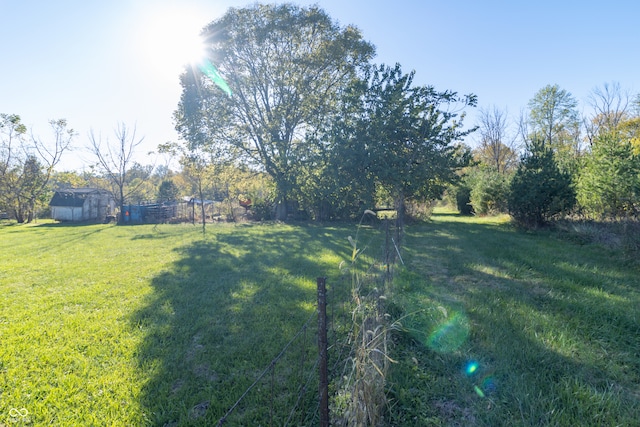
(345, 342)
(269, 368)
(302, 389)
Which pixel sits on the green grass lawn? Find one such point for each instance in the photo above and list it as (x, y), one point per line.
(511, 328)
(160, 325)
(139, 325)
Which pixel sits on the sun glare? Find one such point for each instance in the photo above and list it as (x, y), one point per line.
(170, 40)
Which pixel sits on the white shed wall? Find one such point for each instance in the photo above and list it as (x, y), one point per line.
(66, 213)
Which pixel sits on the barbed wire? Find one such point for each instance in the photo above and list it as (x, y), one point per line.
(271, 365)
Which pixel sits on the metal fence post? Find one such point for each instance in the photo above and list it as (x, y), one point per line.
(322, 349)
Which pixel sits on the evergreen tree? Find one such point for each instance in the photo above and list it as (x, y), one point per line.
(539, 190)
(489, 190)
(168, 191)
(609, 182)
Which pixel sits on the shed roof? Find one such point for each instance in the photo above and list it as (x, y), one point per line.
(74, 197)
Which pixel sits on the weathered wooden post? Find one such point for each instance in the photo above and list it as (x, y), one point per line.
(322, 349)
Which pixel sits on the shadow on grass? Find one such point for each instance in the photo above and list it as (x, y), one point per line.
(554, 328)
(51, 237)
(219, 316)
(71, 224)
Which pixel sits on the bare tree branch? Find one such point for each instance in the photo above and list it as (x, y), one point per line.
(115, 159)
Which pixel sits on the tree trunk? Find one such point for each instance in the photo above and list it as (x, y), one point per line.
(282, 207)
(121, 201)
(281, 210)
(201, 195)
(121, 217)
(17, 213)
(401, 210)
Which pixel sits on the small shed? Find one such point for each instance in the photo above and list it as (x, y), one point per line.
(82, 204)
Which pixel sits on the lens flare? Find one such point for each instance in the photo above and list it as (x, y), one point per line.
(485, 385)
(478, 391)
(471, 368)
(210, 71)
(449, 334)
(489, 385)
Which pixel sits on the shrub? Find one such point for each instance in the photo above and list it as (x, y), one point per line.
(419, 211)
(463, 200)
(262, 210)
(489, 191)
(539, 190)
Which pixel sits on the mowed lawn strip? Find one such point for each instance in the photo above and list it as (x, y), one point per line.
(514, 328)
(107, 325)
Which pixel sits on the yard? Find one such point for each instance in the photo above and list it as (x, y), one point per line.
(160, 325)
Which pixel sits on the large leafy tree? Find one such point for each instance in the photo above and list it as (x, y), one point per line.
(286, 66)
(554, 121)
(406, 139)
(487, 189)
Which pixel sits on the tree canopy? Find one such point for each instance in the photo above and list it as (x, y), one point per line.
(286, 66)
(554, 121)
(406, 139)
(27, 164)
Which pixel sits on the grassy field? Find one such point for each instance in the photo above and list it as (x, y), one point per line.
(144, 325)
(514, 329)
(160, 325)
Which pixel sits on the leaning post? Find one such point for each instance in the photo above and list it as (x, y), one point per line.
(322, 349)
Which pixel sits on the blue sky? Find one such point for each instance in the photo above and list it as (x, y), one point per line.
(100, 63)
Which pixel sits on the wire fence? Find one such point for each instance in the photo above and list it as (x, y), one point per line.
(285, 392)
(294, 388)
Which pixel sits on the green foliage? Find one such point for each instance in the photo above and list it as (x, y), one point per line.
(463, 199)
(489, 190)
(286, 66)
(539, 190)
(262, 210)
(609, 181)
(139, 184)
(26, 167)
(168, 191)
(328, 192)
(403, 140)
(70, 179)
(555, 121)
(553, 115)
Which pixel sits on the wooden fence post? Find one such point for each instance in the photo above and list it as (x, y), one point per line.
(322, 349)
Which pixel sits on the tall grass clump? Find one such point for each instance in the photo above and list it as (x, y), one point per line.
(620, 235)
(360, 399)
